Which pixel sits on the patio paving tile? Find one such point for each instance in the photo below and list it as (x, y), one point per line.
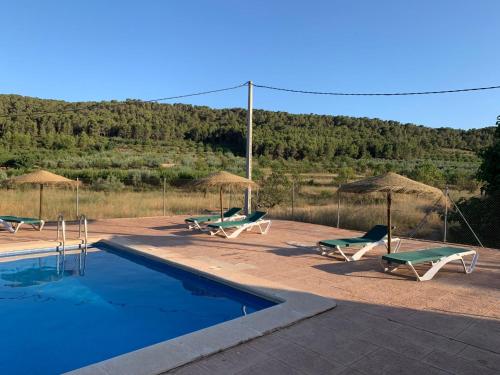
(396, 343)
(484, 334)
(192, 369)
(484, 358)
(233, 360)
(351, 371)
(305, 360)
(271, 366)
(385, 361)
(456, 364)
(443, 324)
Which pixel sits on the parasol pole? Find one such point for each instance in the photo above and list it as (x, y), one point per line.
(338, 207)
(221, 214)
(41, 202)
(389, 223)
(77, 199)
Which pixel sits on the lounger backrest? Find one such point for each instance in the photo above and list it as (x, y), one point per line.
(232, 211)
(257, 215)
(377, 233)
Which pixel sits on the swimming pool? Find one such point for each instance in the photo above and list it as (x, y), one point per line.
(55, 320)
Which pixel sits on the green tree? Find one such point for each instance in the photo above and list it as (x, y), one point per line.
(483, 212)
(489, 171)
(275, 189)
(429, 174)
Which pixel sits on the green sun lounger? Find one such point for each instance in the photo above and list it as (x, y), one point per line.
(435, 257)
(374, 237)
(14, 223)
(253, 220)
(194, 222)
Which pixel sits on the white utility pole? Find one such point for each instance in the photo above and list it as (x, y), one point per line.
(446, 193)
(248, 193)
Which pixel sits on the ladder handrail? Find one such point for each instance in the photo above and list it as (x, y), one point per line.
(82, 236)
(61, 230)
(61, 238)
(82, 221)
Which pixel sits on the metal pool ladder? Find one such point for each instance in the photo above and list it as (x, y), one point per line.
(61, 234)
(82, 236)
(61, 238)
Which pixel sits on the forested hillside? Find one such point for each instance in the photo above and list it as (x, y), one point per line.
(277, 134)
(113, 143)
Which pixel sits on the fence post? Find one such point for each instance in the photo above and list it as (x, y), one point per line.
(293, 200)
(445, 213)
(77, 197)
(164, 189)
(338, 207)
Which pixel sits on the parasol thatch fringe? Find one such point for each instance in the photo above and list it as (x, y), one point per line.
(223, 179)
(42, 177)
(390, 182)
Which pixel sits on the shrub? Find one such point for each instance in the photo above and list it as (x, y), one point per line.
(111, 183)
(275, 189)
(429, 174)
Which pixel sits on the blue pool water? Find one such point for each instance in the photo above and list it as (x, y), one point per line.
(53, 321)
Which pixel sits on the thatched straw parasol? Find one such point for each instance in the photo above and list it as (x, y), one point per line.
(390, 183)
(223, 180)
(42, 178)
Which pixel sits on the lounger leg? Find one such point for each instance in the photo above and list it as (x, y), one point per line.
(213, 233)
(8, 226)
(321, 249)
(443, 261)
(267, 227)
(387, 266)
(242, 228)
(419, 278)
(329, 251)
(395, 239)
(358, 254)
(237, 232)
(224, 233)
(194, 225)
(472, 263)
(38, 227)
(18, 226)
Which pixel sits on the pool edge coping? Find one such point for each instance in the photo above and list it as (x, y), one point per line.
(294, 306)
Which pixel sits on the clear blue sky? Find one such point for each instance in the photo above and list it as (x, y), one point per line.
(93, 50)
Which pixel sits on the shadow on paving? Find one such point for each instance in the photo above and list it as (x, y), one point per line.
(484, 276)
(361, 338)
(188, 237)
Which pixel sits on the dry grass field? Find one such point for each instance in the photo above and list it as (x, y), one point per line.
(99, 205)
(362, 214)
(313, 205)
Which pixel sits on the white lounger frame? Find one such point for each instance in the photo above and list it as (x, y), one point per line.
(327, 250)
(196, 225)
(436, 266)
(248, 227)
(14, 227)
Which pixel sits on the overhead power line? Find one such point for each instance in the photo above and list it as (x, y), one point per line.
(96, 105)
(375, 93)
(196, 93)
(332, 93)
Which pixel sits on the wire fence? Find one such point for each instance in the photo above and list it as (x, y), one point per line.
(456, 217)
(461, 218)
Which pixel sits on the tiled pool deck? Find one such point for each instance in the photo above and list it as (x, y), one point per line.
(382, 323)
